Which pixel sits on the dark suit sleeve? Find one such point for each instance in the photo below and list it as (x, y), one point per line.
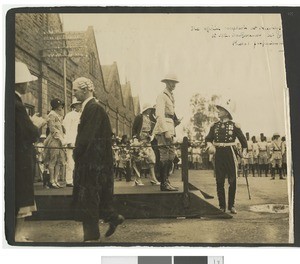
(241, 137)
(137, 125)
(24, 125)
(210, 135)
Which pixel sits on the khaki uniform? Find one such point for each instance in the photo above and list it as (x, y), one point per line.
(165, 114)
(276, 158)
(165, 122)
(263, 155)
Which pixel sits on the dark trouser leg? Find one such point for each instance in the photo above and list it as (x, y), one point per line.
(260, 170)
(266, 169)
(164, 184)
(220, 179)
(162, 174)
(231, 193)
(280, 172)
(90, 230)
(273, 173)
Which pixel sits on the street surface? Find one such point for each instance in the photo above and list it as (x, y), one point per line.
(245, 227)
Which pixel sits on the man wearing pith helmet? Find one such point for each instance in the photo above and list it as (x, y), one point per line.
(26, 133)
(93, 174)
(222, 136)
(276, 156)
(164, 130)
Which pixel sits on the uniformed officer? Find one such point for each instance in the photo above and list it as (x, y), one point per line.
(250, 155)
(164, 130)
(276, 156)
(263, 156)
(222, 136)
(283, 151)
(255, 155)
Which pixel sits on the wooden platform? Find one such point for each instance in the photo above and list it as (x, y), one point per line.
(120, 187)
(135, 202)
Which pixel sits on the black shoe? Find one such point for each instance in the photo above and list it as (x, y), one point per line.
(168, 182)
(167, 187)
(113, 225)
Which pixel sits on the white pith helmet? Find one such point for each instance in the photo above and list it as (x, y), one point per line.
(228, 105)
(170, 77)
(22, 73)
(146, 106)
(75, 101)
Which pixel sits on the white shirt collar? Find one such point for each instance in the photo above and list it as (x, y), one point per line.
(85, 102)
(18, 94)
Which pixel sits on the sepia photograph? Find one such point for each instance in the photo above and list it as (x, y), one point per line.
(147, 127)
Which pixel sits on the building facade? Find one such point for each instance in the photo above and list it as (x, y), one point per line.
(41, 43)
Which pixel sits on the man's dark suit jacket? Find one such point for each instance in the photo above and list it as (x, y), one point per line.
(93, 175)
(26, 133)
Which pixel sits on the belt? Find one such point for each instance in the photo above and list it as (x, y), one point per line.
(276, 150)
(217, 144)
(169, 116)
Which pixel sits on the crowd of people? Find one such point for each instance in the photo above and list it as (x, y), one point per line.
(264, 157)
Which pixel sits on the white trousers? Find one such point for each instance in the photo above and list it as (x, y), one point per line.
(69, 166)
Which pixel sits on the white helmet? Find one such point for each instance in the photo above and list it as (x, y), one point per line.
(170, 77)
(228, 105)
(146, 106)
(22, 73)
(75, 101)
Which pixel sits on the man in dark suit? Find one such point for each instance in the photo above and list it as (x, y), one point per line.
(93, 174)
(26, 133)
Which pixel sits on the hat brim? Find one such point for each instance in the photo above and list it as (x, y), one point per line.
(75, 103)
(230, 116)
(169, 80)
(33, 78)
(145, 109)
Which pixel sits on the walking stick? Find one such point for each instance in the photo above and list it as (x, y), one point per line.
(246, 177)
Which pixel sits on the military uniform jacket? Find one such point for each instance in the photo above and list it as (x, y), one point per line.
(165, 113)
(26, 133)
(226, 132)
